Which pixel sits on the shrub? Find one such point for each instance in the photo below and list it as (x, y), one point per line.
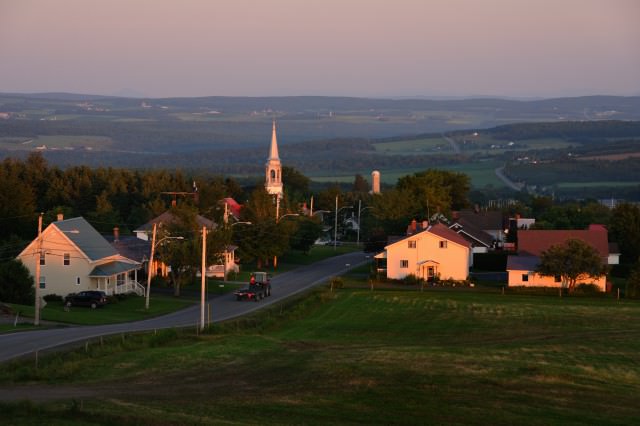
(336, 282)
(16, 283)
(412, 279)
(53, 298)
(587, 289)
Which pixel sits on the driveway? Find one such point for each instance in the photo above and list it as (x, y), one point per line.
(13, 345)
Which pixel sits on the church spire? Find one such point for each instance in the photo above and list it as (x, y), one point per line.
(273, 168)
(273, 151)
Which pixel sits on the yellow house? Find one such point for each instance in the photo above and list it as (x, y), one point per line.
(437, 251)
(74, 257)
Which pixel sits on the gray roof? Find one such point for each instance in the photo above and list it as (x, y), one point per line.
(522, 263)
(86, 238)
(131, 247)
(168, 217)
(112, 268)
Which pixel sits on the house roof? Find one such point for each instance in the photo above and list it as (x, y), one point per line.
(86, 238)
(522, 263)
(234, 207)
(534, 242)
(168, 217)
(131, 247)
(112, 268)
(444, 232)
(490, 219)
(472, 233)
(439, 230)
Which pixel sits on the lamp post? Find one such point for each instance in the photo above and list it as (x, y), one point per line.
(275, 258)
(226, 253)
(360, 210)
(154, 244)
(335, 224)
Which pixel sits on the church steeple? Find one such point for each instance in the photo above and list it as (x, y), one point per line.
(273, 168)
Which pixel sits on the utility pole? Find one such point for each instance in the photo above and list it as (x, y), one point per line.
(36, 318)
(311, 209)
(204, 275)
(150, 268)
(359, 211)
(335, 227)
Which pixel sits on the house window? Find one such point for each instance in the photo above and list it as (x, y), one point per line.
(42, 259)
(43, 282)
(557, 278)
(67, 259)
(404, 263)
(525, 277)
(443, 244)
(77, 280)
(411, 244)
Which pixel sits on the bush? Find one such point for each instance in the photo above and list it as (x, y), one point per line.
(412, 279)
(16, 283)
(336, 282)
(587, 289)
(53, 298)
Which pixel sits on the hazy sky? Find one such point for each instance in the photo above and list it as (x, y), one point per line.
(539, 48)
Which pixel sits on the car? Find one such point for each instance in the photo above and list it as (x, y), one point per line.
(91, 298)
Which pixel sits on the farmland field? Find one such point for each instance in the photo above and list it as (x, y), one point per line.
(413, 146)
(55, 142)
(353, 357)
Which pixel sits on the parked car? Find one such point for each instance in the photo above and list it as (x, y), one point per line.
(92, 299)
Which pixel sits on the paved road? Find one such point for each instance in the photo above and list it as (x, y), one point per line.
(454, 144)
(511, 184)
(225, 307)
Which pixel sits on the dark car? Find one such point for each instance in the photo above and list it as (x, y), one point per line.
(93, 299)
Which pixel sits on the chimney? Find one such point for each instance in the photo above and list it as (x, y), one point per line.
(60, 217)
(116, 234)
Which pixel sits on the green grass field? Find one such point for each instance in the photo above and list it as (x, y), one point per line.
(130, 309)
(55, 142)
(414, 146)
(354, 357)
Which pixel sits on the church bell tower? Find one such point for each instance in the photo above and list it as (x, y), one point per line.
(273, 168)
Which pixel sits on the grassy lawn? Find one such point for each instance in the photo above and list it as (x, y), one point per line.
(130, 309)
(356, 356)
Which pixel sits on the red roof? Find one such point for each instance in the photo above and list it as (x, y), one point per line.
(234, 207)
(443, 231)
(534, 242)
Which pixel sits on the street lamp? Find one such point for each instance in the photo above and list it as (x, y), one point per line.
(335, 225)
(226, 252)
(360, 210)
(154, 244)
(275, 258)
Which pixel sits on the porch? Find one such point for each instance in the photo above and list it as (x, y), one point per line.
(117, 278)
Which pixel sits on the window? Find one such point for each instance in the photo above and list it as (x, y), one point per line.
(525, 277)
(66, 259)
(443, 244)
(42, 259)
(77, 280)
(43, 282)
(557, 278)
(411, 244)
(404, 263)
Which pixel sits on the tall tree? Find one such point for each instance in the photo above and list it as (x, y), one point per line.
(573, 261)
(624, 229)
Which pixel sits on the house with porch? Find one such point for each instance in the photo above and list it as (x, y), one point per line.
(74, 257)
(428, 252)
(531, 243)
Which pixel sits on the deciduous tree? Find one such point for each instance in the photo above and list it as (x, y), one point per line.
(573, 261)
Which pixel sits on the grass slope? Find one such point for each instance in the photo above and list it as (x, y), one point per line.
(387, 357)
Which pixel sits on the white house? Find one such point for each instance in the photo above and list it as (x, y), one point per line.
(74, 257)
(436, 251)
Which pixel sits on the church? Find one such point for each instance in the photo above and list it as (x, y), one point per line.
(273, 168)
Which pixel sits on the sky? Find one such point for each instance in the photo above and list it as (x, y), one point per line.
(366, 48)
